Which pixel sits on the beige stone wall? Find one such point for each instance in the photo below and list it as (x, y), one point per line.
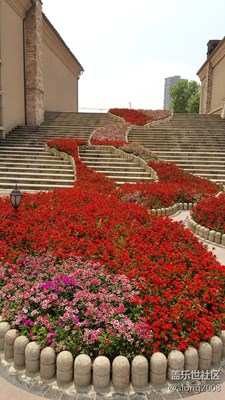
(60, 85)
(212, 79)
(60, 73)
(12, 68)
(218, 87)
(38, 72)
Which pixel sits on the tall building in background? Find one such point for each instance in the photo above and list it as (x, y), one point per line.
(169, 82)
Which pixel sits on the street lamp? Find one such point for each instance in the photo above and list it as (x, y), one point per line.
(15, 197)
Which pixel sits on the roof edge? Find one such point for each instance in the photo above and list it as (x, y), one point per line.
(210, 56)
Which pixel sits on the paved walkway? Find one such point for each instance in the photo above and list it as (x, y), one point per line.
(14, 385)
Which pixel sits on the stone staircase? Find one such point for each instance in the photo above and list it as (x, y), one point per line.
(23, 159)
(194, 142)
(112, 165)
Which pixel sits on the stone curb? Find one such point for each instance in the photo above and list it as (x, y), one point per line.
(82, 371)
(205, 233)
(173, 209)
(63, 155)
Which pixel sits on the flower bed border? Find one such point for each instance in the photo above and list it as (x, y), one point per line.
(83, 372)
(63, 155)
(206, 233)
(172, 209)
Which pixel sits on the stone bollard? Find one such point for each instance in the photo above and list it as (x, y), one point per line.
(201, 231)
(185, 206)
(181, 206)
(120, 372)
(212, 236)
(32, 358)
(175, 208)
(223, 240)
(163, 212)
(159, 211)
(139, 371)
(101, 372)
(206, 233)
(205, 356)
(218, 237)
(158, 368)
(194, 226)
(20, 345)
(190, 206)
(175, 363)
(64, 368)
(4, 327)
(47, 363)
(217, 350)
(82, 370)
(10, 338)
(222, 337)
(191, 359)
(197, 229)
(153, 211)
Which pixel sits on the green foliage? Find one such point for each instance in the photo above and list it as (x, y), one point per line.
(185, 96)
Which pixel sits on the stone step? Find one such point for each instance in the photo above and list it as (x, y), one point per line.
(33, 179)
(125, 171)
(51, 165)
(111, 162)
(96, 156)
(28, 159)
(198, 164)
(202, 171)
(128, 178)
(23, 186)
(37, 175)
(21, 149)
(41, 156)
(48, 170)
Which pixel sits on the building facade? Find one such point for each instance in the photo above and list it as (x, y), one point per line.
(212, 77)
(169, 82)
(38, 72)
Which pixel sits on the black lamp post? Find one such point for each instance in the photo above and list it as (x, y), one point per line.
(15, 198)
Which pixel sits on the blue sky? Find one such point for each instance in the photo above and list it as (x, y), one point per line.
(128, 47)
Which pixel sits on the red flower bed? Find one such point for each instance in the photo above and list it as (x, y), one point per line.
(181, 284)
(195, 186)
(134, 117)
(210, 213)
(175, 186)
(139, 117)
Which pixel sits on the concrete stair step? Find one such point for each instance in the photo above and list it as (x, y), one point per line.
(123, 172)
(33, 179)
(104, 163)
(48, 170)
(36, 175)
(28, 160)
(23, 165)
(18, 149)
(44, 156)
(34, 186)
(128, 178)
